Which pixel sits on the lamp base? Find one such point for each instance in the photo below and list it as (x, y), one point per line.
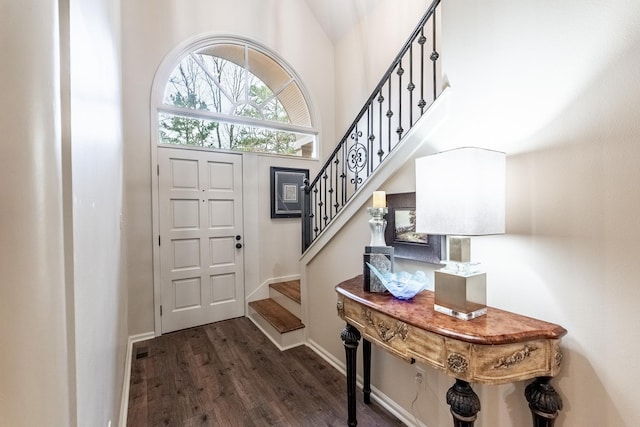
(461, 296)
(458, 315)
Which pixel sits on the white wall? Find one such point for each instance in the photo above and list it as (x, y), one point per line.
(34, 368)
(555, 86)
(152, 29)
(97, 186)
(63, 312)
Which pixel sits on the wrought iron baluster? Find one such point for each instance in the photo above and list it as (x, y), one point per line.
(421, 41)
(389, 115)
(319, 205)
(380, 101)
(357, 158)
(344, 176)
(324, 205)
(306, 232)
(331, 191)
(315, 210)
(434, 55)
(369, 139)
(337, 205)
(400, 72)
(411, 86)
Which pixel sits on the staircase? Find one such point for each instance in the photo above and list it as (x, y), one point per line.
(403, 109)
(279, 315)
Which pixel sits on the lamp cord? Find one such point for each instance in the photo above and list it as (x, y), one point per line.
(413, 410)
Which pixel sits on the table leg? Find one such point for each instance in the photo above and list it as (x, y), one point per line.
(464, 403)
(366, 366)
(544, 402)
(350, 337)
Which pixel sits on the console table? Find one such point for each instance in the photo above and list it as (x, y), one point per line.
(499, 347)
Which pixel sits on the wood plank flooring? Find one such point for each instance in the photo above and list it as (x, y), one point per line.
(229, 374)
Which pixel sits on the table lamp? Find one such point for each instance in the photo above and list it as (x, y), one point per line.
(461, 193)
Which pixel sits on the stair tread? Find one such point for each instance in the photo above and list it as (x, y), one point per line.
(279, 317)
(290, 289)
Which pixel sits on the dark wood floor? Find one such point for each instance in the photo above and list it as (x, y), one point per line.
(229, 374)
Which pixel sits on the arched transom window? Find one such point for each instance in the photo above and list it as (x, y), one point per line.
(232, 95)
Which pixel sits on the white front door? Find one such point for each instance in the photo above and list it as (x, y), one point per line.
(200, 219)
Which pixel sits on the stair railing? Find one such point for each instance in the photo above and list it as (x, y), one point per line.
(404, 94)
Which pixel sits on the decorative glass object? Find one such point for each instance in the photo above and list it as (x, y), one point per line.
(381, 257)
(402, 285)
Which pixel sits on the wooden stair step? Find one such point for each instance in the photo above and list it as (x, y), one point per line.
(290, 289)
(277, 316)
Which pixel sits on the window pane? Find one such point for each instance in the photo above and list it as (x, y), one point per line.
(259, 92)
(174, 129)
(187, 86)
(273, 110)
(246, 110)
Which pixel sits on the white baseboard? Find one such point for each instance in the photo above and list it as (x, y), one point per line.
(329, 358)
(376, 395)
(124, 403)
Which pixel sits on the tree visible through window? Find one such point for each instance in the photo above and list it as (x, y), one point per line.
(235, 97)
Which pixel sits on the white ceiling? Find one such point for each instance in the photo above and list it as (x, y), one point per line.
(338, 16)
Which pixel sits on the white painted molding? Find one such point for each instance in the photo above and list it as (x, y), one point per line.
(328, 357)
(124, 403)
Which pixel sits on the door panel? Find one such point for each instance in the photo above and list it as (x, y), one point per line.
(200, 212)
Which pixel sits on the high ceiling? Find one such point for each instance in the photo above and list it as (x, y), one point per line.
(338, 16)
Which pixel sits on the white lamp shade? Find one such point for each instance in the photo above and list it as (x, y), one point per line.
(461, 192)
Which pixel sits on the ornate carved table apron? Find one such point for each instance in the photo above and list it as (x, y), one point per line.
(500, 347)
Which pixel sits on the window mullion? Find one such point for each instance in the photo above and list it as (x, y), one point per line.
(221, 117)
(276, 93)
(246, 74)
(212, 77)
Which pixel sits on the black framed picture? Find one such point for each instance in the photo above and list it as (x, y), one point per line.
(401, 231)
(286, 200)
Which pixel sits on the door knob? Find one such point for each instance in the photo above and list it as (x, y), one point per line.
(238, 237)
(238, 245)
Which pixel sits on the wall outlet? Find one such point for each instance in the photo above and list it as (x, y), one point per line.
(419, 376)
